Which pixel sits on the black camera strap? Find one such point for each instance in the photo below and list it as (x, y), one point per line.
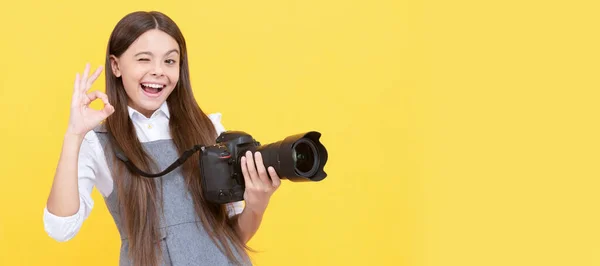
(186, 154)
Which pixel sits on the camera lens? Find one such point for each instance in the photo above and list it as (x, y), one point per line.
(300, 157)
(305, 157)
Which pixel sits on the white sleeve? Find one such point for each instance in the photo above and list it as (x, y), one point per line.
(215, 118)
(234, 208)
(64, 228)
(237, 207)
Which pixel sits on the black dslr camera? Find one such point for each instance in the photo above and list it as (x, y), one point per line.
(298, 158)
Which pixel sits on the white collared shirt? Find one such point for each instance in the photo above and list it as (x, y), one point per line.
(93, 171)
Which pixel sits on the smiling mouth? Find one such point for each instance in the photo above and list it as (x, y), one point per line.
(152, 88)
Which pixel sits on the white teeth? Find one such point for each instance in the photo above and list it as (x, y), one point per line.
(156, 86)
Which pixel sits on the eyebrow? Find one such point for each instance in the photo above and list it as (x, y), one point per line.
(149, 53)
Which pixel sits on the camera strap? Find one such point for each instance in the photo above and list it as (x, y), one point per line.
(186, 154)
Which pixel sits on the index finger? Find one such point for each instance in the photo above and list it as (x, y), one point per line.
(247, 181)
(98, 94)
(260, 168)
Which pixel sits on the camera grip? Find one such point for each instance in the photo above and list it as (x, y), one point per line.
(218, 183)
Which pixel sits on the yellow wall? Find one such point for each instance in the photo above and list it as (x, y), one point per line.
(459, 132)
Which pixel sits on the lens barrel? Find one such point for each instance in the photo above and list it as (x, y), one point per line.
(298, 158)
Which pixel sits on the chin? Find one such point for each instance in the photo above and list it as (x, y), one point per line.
(151, 105)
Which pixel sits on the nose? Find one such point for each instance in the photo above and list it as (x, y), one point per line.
(157, 69)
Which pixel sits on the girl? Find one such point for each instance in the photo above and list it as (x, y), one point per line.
(151, 114)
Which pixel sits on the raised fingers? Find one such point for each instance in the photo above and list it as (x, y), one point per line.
(76, 84)
(93, 77)
(84, 77)
(84, 81)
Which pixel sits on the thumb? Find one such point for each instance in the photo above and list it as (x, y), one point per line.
(107, 110)
(104, 113)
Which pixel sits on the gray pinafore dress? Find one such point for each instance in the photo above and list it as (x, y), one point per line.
(183, 239)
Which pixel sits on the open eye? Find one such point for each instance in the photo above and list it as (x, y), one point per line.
(170, 61)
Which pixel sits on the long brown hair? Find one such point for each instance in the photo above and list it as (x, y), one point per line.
(189, 125)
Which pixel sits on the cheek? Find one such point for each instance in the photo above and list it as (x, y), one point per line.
(130, 83)
(173, 75)
(131, 78)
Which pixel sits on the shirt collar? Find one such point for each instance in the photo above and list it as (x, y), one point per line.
(164, 109)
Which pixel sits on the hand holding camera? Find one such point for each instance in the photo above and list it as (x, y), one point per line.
(260, 183)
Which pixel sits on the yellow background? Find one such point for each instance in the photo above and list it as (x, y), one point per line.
(459, 132)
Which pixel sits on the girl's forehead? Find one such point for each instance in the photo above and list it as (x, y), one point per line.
(154, 42)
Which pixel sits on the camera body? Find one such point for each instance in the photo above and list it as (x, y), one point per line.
(298, 158)
(222, 180)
